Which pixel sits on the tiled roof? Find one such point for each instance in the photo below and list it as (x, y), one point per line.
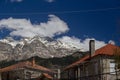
(47, 76)
(38, 67)
(25, 64)
(15, 66)
(108, 49)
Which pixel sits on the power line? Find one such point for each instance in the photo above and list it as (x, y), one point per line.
(62, 12)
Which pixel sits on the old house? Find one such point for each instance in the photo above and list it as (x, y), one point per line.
(98, 65)
(25, 71)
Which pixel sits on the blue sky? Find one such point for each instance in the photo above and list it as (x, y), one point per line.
(80, 19)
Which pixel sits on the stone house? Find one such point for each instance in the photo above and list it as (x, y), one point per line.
(25, 71)
(98, 65)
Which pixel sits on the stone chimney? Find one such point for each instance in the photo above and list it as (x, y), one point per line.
(33, 61)
(92, 47)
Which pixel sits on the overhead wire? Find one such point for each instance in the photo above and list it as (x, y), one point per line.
(61, 12)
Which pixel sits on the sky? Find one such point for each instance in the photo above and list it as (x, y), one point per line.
(73, 22)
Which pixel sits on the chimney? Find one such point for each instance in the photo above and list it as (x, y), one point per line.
(33, 61)
(92, 47)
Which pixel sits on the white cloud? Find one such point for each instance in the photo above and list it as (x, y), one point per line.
(16, 0)
(111, 42)
(50, 1)
(83, 45)
(23, 27)
(54, 26)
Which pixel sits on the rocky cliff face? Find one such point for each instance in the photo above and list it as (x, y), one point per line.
(5, 51)
(43, 47)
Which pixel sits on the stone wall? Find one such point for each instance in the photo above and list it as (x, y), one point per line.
(22, 74)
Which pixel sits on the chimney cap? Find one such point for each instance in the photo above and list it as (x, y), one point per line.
(92, 40)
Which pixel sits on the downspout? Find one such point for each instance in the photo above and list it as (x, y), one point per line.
(101, 68)
(0, 76)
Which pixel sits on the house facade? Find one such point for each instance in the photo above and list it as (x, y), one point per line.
(21, 73)
(98, 65)
(25, 71)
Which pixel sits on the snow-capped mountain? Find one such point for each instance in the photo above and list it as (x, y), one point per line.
(43, 47)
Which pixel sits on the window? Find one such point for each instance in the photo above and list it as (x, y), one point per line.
(112, 67)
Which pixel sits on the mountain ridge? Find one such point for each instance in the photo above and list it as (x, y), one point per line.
(44, 47)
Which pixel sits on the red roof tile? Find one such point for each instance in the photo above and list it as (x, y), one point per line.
(77, 62)
(47, 76)
(25, 64)
(38, 67)
(109, 49)
(15, 66)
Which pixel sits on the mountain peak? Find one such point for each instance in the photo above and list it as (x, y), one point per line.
(44, 47)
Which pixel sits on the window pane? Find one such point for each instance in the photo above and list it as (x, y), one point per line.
(112, 68)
